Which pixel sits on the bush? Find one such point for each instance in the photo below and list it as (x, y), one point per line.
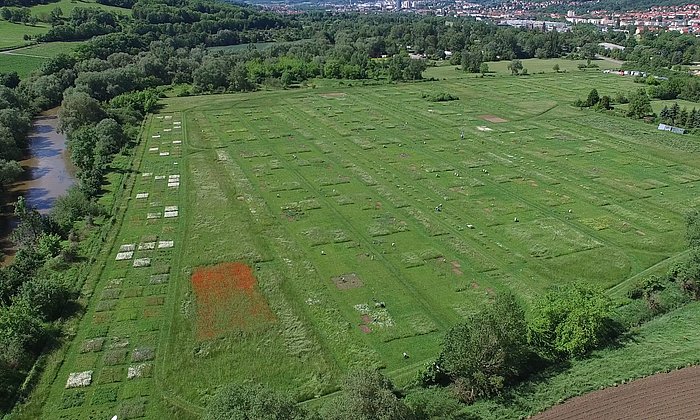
(242, 402)
(440, 97)
(366, 394)
(489, 351)
(45, 296)
(433, 403)
(570, 321)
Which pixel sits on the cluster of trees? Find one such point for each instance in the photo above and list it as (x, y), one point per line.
(22, 3)
(676, 87)
(83, 23)
(18, 15)
(15, 122)
(365, 394)
(37, 287)
(680, 117)
(497, 347)
(658, 50)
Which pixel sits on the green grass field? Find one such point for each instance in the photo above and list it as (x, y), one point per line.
(44, 10)
(27, 59)
(13, 34)
(312, 186)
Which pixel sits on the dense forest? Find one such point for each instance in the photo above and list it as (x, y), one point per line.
(111, 81)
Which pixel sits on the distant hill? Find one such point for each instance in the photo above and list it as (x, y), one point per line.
(579, 6)
(621, 5)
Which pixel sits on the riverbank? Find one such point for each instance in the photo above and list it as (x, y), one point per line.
(48, 173)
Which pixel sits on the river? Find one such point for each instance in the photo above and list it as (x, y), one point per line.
(48, 174)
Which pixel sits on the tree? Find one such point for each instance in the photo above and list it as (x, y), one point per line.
(46, 297)
(238, 78)
(639, 105)
(604, 102)
(693, 119)
(570, 321)
(665, 115)
(484, 68)
(471, 61)
(78, 109)
(682, 119)
(488, 351)
(692, 228)
(366, 395)
(56, 14)
(515, 66)
(251, 402)
(30, 226)
(674, 112)
(10, 80)
(110, 136)
(71, 207)
(556, 68)
(593, 98)
(20, 332)
(10, 170)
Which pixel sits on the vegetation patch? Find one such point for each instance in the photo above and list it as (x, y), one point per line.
(227, 300)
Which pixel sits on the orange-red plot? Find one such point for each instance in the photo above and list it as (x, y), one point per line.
(227, 300)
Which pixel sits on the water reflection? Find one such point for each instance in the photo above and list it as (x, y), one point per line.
(47, 175)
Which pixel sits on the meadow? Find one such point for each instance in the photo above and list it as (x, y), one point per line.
(44, 10)
(27, 59)
(362, 222)
(13, 34)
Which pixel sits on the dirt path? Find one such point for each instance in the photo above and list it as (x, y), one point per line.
(22, 55)
(674, 395)
(612, 60)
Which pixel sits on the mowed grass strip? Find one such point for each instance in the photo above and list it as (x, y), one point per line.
(376, 184)
(117, 344)
(13, 33)
(28, 59)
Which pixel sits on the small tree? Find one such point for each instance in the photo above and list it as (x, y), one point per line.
(484, 354)
(366, 394)
(682, 119)
(604, 102)
(515, 66)
(484, 68)
(665, 115)
(570, 321)
(674, 111)
(692, 228)
(251, 402)
(639, 106)
(593, 98)
(556, 68)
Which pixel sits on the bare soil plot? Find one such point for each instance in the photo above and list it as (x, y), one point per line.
(347, 281)
(333, 95)
(674, 395)
(493, 118)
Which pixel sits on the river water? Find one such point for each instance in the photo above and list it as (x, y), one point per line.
(48, 174)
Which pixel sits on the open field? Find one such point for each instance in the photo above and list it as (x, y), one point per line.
(67, 6)
(535, 65)
(674, 395)
(13, 34)
(27, 59)
(360, 225)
